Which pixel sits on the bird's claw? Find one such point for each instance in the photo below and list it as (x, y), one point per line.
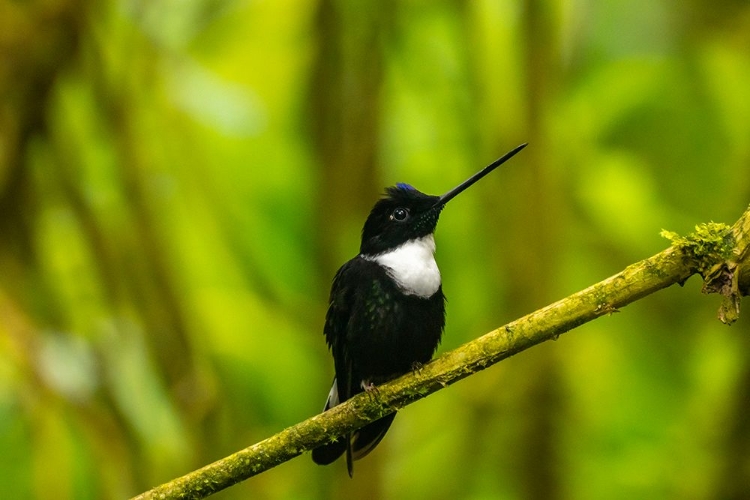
(370, 388)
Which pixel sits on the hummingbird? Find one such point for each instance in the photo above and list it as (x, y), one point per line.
(386, 310)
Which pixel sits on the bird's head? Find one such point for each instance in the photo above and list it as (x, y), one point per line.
(405, 213)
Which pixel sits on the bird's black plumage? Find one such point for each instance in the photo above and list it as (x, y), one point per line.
(387, 309)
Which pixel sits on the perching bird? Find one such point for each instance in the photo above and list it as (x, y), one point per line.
(387, 309)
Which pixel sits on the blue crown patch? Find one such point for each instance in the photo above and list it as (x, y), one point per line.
(405, 186)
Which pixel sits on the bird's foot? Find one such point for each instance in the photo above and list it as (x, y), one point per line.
(370, 388)
(416, 367)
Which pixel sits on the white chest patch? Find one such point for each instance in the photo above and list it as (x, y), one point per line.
(413, 266)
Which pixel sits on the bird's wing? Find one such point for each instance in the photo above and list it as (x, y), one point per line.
(349, 292)
(342, 303)
(346, 290)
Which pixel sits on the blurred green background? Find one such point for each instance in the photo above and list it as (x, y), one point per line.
(179, 181)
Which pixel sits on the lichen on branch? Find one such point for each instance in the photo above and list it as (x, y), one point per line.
(720, 252)
(710, 244)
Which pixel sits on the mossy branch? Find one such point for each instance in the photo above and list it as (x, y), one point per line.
(716, 251)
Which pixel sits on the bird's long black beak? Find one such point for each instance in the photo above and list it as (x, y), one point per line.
(474, 178)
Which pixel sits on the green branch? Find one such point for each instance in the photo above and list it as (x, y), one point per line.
(716, 251)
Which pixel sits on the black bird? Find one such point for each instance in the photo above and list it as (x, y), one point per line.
(387, 309)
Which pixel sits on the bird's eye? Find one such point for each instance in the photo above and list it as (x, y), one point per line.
(400, 214)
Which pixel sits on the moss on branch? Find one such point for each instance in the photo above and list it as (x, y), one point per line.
(721, 254)
(716, 251)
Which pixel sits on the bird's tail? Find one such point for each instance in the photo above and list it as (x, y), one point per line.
(328, 453)
(367, 438)
(355, 445)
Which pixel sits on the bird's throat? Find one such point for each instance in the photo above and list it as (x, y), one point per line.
(412, 266)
